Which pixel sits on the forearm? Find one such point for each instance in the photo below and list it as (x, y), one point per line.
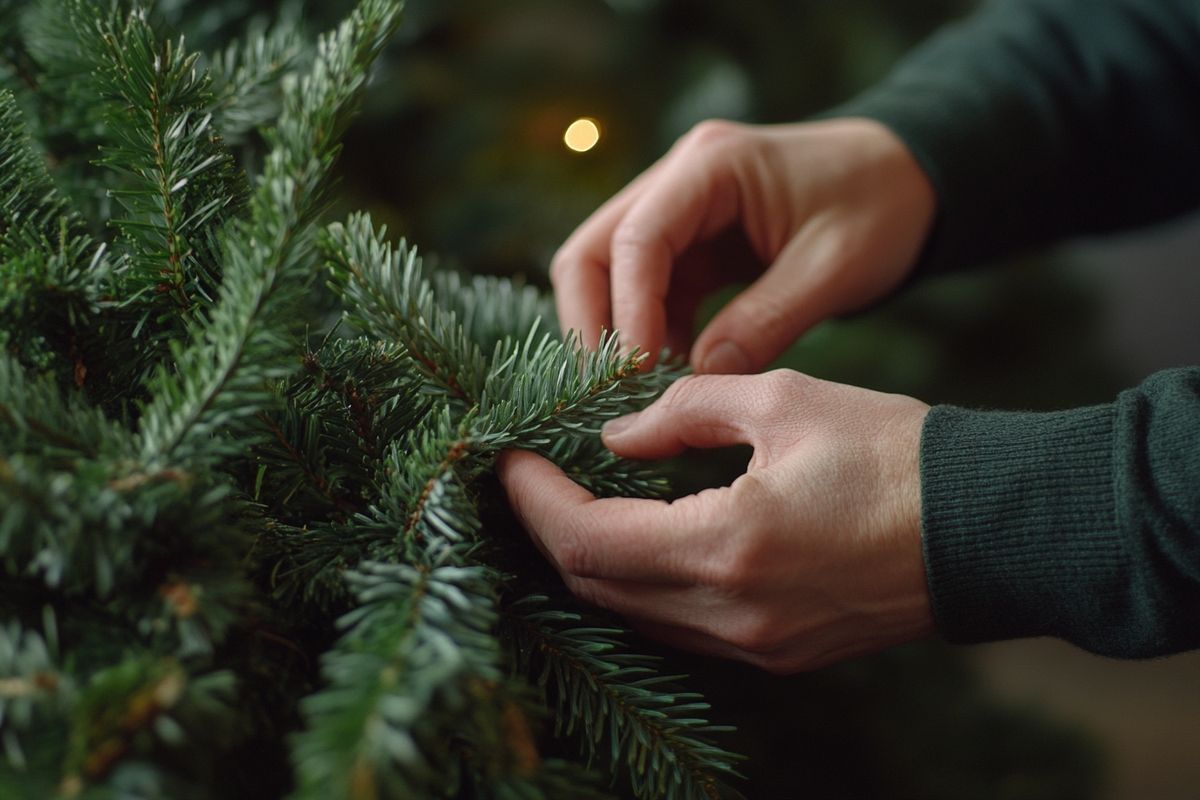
(1083, 525)
(1038, 119)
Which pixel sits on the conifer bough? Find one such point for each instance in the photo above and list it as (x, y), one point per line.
(241, 564)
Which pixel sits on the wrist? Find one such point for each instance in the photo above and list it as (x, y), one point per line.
(885, 205)
(904, 572)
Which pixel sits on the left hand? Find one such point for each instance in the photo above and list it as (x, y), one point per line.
(812, 556)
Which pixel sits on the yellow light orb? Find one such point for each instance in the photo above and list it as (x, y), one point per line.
(582, 135)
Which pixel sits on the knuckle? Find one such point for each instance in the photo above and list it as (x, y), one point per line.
(632, 235)
(585, 590)
(778, 391)
(758, 634)
(742, 567)
(678, 394)
(738, 574)
(781, 665)
(574, 555)
(750, 496)
(770, 313)
(713, 132)
(692, 391)
(784, 382)
(560, 266)
(749, 554)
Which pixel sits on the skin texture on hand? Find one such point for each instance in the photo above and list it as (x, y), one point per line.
(812, 556)
(822, 217)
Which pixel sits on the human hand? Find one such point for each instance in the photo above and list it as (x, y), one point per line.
(836, 211)
(812, 556)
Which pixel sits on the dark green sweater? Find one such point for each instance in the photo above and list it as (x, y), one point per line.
(1038, 119)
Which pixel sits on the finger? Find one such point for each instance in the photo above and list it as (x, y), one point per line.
(770, 314)
(581, 300)
(703, 268)
(694, 641)
(639, 540)
(696, 411)
(681, 307)
(580, 268)
(692, 197)
(694, 606)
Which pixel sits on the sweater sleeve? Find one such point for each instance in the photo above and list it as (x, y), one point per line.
(1039, 119)
(1081, 524)
(1035, 120)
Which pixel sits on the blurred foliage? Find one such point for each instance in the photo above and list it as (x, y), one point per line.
(462, 150)
(465, 145)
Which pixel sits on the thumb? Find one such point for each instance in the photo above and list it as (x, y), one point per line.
(763, 320)
(697, 411)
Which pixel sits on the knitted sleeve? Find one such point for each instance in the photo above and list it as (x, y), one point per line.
(1081, 524)
(1038, 119)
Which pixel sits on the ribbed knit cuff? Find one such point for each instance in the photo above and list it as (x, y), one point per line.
(1020, 531)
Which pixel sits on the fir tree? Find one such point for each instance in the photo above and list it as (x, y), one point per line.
(249, 552)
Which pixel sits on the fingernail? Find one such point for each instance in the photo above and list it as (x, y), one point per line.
(619, 425)
(726, 358)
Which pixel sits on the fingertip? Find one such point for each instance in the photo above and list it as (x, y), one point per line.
(536, 485)
(615, 430)
(645, 358)
(725, 357)
(722, 348)
(581, 301)
(587, 337)
(503, 461)
(643, 335)
(512, 465)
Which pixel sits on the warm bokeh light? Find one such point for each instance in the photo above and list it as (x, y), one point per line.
(582, 135)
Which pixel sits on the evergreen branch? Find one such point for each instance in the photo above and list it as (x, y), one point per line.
(328, 438)
(310, 464)
(94, 525)
(592, 465)
(60, 94)
(542, 388)
(529, 389)
(607, 694)
(390, 296)
(51, 303)
(87, 727)
(135, 704)
(423, 491)
(310, 563)
(489, 308)
(422, 510)
(51, 274)
(553, 779)
(414, 653)
(31, 209)
(31, 681)
(222, 375)
(36, 418)
(246, 78)
(183, 184)
(362, 454)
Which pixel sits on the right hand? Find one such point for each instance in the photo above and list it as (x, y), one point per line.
(824, 218)
(813, 556)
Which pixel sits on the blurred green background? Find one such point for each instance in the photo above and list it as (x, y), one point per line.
(460, 149)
